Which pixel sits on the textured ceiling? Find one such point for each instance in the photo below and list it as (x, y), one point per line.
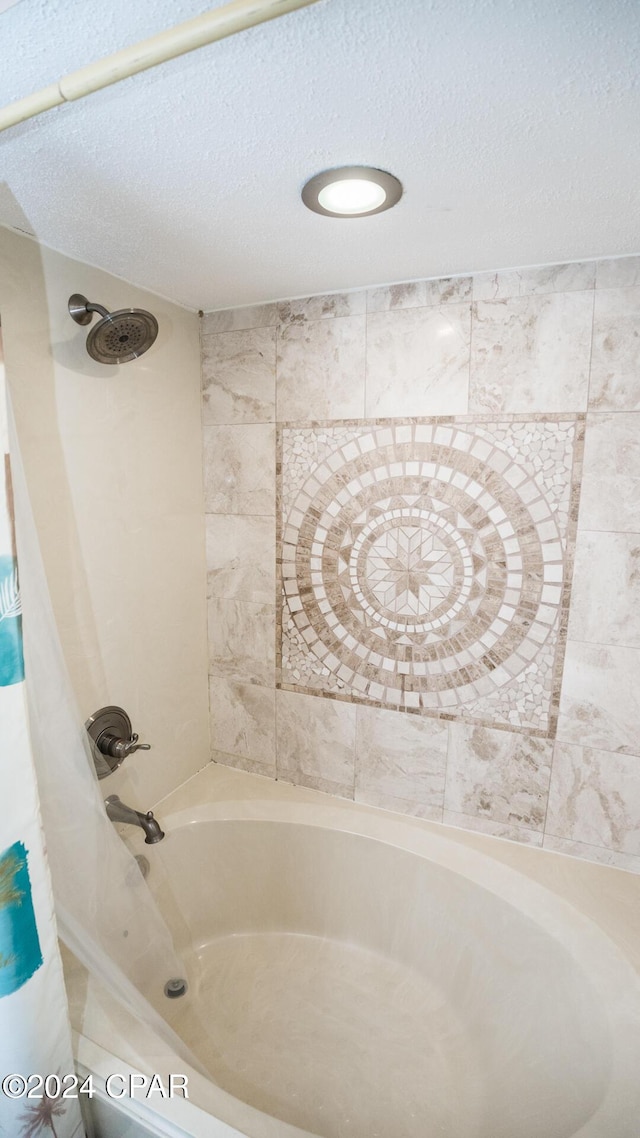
(513, 124)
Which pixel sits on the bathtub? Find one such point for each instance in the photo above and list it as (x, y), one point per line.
(353, 974)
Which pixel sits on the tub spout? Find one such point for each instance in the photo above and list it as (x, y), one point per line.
(118, 812)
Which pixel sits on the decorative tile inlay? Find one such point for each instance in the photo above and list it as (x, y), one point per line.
(424, 563)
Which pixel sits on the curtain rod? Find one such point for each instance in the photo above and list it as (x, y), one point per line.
(204, 29)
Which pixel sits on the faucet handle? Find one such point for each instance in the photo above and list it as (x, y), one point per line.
(112, 736)
(133, 745)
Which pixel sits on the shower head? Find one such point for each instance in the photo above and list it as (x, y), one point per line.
(119, 336)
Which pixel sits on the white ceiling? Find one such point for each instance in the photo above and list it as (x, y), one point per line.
(513, 125)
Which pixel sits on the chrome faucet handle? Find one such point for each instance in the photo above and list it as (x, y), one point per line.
(112, 739)
(119, 748)
(133, 745)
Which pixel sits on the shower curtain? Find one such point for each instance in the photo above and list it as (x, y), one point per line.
(35, 1036)
(64, 869)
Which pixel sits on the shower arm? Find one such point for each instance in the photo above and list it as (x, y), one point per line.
(81, 309)
(97, 308)
(183, 38)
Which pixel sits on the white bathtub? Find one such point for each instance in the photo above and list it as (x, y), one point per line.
(353, 974)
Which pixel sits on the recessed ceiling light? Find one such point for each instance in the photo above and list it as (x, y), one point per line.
(351, 191)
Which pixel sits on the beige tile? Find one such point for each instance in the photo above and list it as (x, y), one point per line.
(407, 294)
(320, 369)
(244, 763)
(495, 829)
(531, 353)
(600, 700)
(418, 361)
(615, 358)
(400, 762)
(618, 272)
(242, 641)
(525, 282)
(321, 307)
(595, 798)
(610, 495)
(243, 719)
(417, 294)
(605, 594)
(498, 775)
(240, 469)
(448, 290)
(241, 555)
(233, 319)
(239, 376)
(597, 854)
(316, 742)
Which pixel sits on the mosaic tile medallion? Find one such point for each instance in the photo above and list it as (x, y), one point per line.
(424, 564)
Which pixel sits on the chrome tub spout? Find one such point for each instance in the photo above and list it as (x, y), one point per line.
(118, 812)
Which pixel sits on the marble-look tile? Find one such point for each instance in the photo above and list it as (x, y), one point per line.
(401, 762)
(316, 742)
(600, 699)
(531, 353)
(240, 469)
(495, 829)
(243, 719)
(321, 307)
(505, 283)
(241, 555)
(406, 294)
(610, 495)
(615, 358)
(417, 294)
(233, 319)
(239, 376)
(242, 641)
(244, 763)
(605, 594)
(598, 854)
(320, 369)
(418, 361)
(595, 798)
(498, 775)
(618, 272)
(448, 290)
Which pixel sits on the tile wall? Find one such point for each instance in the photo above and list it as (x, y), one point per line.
(423, 549)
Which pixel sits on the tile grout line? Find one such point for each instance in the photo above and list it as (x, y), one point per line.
(593, 322)
(471, 329)
(602, 644)
(356, 751)
(206, 563)
(446, 770)
(366, 353)
(278, 589)
(546, 809)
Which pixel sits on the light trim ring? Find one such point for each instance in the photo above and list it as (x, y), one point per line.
(312, 191)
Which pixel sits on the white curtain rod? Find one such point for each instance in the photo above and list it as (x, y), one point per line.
(208, 28)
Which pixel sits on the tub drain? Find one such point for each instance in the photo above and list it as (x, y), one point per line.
(175, 988)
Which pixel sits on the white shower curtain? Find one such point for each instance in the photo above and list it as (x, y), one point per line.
(55, 838)
(35, 1037)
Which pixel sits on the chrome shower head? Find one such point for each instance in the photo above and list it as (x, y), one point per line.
(119, 336)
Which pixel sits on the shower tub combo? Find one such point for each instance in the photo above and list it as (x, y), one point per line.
(355, 974)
